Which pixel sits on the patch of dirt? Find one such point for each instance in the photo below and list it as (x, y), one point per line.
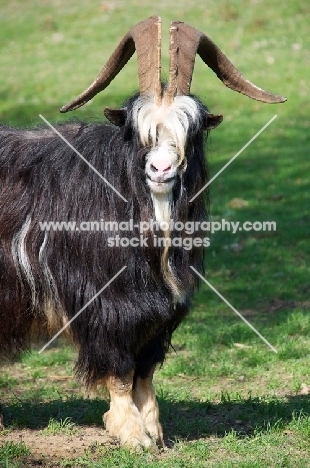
(49, 450)
(280, 304)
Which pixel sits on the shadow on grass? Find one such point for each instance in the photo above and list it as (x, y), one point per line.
(36, 414)
(187, 420)
(191, 420)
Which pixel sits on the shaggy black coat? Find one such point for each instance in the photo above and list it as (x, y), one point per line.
(129, 326)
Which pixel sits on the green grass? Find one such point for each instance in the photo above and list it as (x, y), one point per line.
(226, 399)
(64, 426)
(9, 451)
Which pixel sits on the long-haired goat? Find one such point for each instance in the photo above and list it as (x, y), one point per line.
(154, 155)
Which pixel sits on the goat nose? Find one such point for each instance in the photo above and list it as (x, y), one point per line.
(160, 167)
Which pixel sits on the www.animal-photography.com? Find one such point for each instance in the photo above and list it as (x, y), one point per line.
(154, 226)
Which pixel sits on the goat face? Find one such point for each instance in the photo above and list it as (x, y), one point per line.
(165, 130)
(164, 133)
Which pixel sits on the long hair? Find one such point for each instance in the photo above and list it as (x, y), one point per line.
(46, 277)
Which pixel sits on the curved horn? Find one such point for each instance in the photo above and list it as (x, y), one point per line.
(185, 42)
(145, 38)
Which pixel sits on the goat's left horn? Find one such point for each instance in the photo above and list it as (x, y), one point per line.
(185, 42)
(145, 38)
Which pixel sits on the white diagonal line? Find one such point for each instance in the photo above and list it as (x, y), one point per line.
(233, 158)
(82, 157)
(83, 308)
(235, 310)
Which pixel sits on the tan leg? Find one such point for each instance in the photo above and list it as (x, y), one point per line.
(145, 400)
(123, 420)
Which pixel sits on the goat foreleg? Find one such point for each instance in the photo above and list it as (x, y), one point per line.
(145, 400)
(124, 420)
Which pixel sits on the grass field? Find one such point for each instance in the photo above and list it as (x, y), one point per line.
(226, 399)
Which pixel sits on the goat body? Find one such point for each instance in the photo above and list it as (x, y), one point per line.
(154, 155)
(46, 277)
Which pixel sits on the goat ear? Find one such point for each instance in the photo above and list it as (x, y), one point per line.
(116, 116)
(212, 121)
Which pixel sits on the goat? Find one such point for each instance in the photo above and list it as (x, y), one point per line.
(154, 154)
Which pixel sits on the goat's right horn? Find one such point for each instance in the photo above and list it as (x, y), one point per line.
(185, 42)
(145, 38)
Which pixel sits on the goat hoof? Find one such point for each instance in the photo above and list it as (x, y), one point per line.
(130, 432)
